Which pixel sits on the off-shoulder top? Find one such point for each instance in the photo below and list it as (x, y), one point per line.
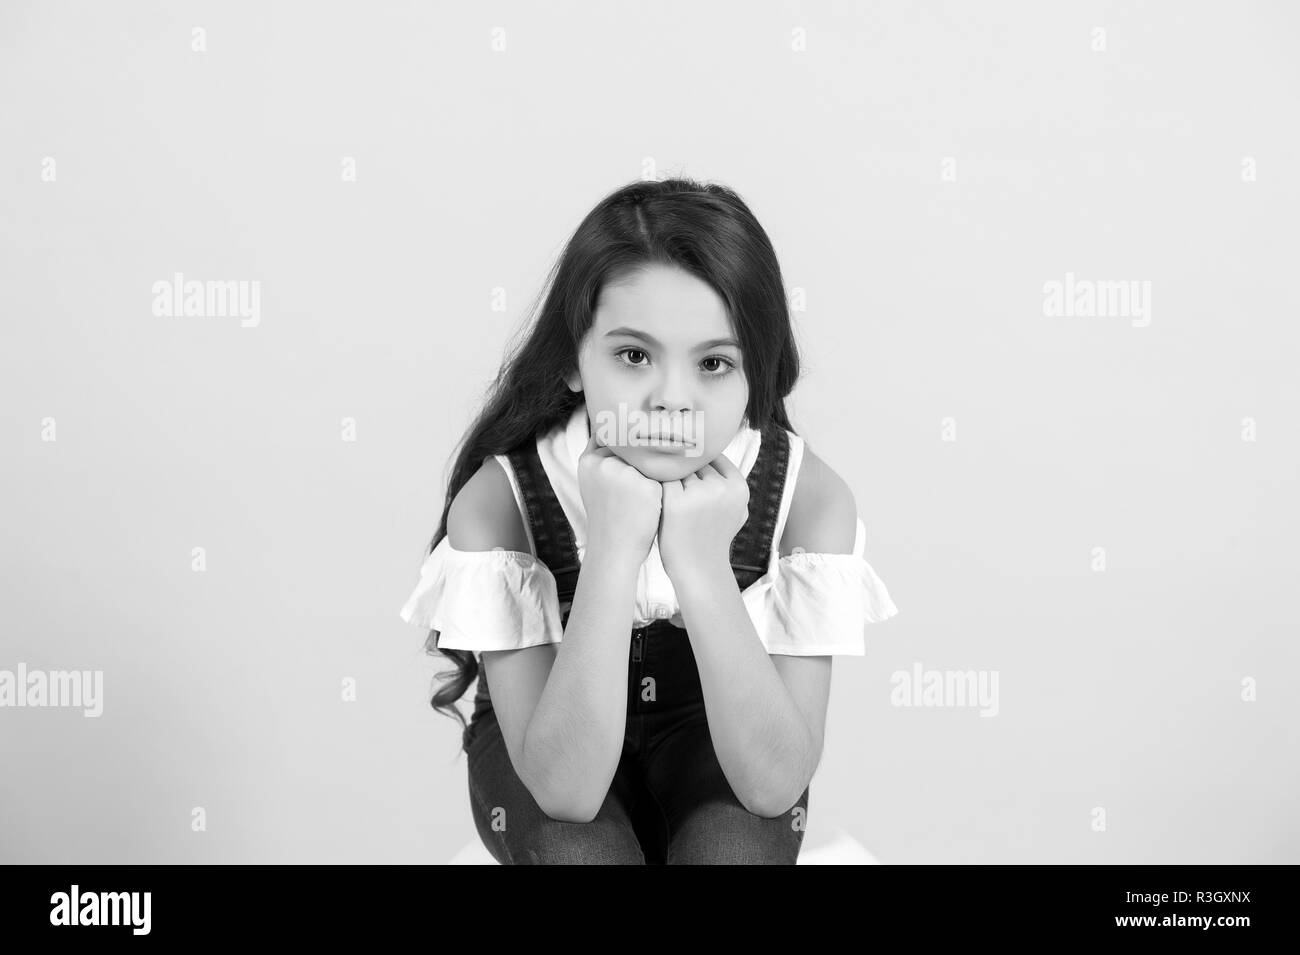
(806, 604)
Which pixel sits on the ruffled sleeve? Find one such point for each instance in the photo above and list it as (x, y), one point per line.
(815, 604)
(485, 600)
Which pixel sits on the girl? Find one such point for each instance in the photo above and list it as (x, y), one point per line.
(636, 455)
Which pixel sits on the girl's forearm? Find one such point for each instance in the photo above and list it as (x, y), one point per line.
(763, 744)
(575, 737)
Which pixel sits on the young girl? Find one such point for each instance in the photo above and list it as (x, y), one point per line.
(651, 569)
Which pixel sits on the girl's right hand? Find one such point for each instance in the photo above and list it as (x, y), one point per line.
(622, 504)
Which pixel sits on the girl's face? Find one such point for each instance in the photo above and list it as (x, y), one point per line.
(661, 356)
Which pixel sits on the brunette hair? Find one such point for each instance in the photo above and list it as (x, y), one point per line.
(705, 229)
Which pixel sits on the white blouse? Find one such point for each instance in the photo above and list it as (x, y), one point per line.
(806, 604)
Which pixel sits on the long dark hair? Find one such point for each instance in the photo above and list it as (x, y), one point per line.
(703, 228)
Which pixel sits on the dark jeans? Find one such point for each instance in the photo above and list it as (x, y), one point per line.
(669, 802)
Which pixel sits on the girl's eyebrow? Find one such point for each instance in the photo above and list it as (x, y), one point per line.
(703, 346)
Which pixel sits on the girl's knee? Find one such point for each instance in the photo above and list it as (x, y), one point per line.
(522, 834)
(603, 841)
(517, 831)
(725, 833)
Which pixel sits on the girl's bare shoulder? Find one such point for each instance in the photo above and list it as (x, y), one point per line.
(484, 513)
(823, 513)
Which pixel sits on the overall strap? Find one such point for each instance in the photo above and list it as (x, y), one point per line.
(751, 548)
(552, 533)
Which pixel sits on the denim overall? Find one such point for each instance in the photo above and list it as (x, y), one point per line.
(669, 801)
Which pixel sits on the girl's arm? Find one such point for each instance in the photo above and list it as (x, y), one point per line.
(573, 742)
(562, 708)
(766, 718)
(763, 742)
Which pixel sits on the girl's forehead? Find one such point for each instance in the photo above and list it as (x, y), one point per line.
(666, 308)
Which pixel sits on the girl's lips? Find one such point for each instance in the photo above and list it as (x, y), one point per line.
(671, 450)
(665, 439)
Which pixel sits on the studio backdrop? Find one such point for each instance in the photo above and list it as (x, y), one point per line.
(259, 263)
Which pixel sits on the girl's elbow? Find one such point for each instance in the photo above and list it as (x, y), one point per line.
(769, 807)
(564, 805)
(775, 802)
(570, 812)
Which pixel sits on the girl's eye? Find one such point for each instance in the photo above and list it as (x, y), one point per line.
(727, 363)
(632, 351)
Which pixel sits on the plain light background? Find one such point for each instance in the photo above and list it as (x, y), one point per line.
(1119, 689)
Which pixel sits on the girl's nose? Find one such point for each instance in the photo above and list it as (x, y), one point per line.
(670, 394)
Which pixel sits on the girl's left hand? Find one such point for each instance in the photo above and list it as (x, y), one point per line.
(701, 515)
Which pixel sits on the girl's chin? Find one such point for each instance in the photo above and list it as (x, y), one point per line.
(664, 465)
